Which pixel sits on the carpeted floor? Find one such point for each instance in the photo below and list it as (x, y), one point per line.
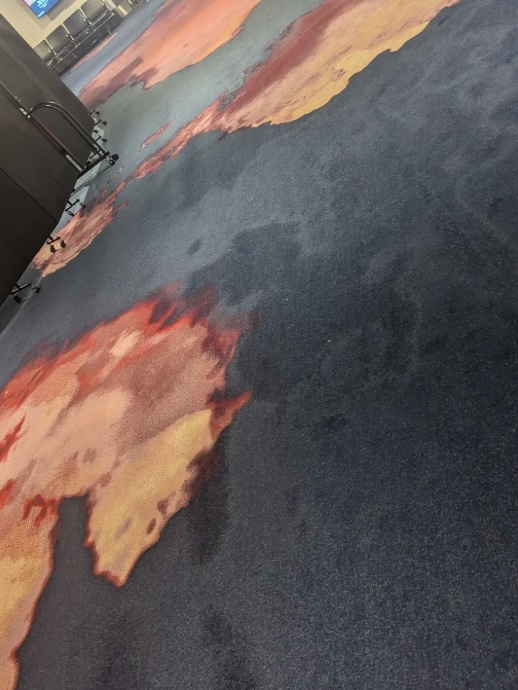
(259, 426)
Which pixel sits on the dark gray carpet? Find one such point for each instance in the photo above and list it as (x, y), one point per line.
(360, 532)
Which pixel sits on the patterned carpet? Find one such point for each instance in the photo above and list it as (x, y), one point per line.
(258, 430)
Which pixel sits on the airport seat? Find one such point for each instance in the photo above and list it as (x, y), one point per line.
(59, 40)
(45, 52)
(95, 11)
(77, 25)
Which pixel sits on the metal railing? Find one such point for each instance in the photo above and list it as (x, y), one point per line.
(97, 152)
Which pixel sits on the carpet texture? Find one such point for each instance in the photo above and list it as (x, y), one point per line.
(258, 430)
